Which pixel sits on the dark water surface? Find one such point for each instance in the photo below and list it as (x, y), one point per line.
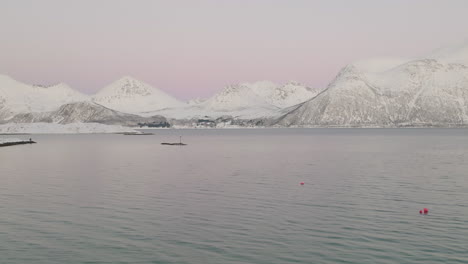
(233, 196)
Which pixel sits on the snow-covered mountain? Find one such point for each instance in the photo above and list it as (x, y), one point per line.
(235, 98)
(17, 97)
(263, 94)
(286, 95)
(245, 100)
(23, 103)
(132, 96)
(419, 92)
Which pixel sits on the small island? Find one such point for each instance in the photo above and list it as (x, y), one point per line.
(176, 143)
(14, 141)
(137, 133)
(173, 144)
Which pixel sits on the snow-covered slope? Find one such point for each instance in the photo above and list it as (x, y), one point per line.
(129, 95)
(452, 54)
(262, 94)
(421, 92)
(379, 64)
(286, 95)
(235, 98)
(86, 112)
(17, 97)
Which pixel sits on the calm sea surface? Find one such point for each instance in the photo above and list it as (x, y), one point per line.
(233, 196)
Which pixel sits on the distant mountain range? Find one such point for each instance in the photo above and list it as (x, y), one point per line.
(243, 101)
(381, 92)
(128, 101)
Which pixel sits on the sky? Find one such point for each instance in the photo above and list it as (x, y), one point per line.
(193, 48)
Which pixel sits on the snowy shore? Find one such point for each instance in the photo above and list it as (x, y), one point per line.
(51, 128)
(10, 140)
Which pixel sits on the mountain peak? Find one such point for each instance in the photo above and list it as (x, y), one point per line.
(293, 83)
(127, 86)
(127, 78)
(130, 95)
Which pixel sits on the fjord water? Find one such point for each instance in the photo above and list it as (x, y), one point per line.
(233, 196)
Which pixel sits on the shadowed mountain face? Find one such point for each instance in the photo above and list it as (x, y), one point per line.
(86, 112)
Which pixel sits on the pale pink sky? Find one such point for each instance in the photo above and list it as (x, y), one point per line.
(194, 48)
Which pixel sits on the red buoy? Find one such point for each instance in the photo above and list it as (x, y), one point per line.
(420, 211)
(302, 183)
(426, 210)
